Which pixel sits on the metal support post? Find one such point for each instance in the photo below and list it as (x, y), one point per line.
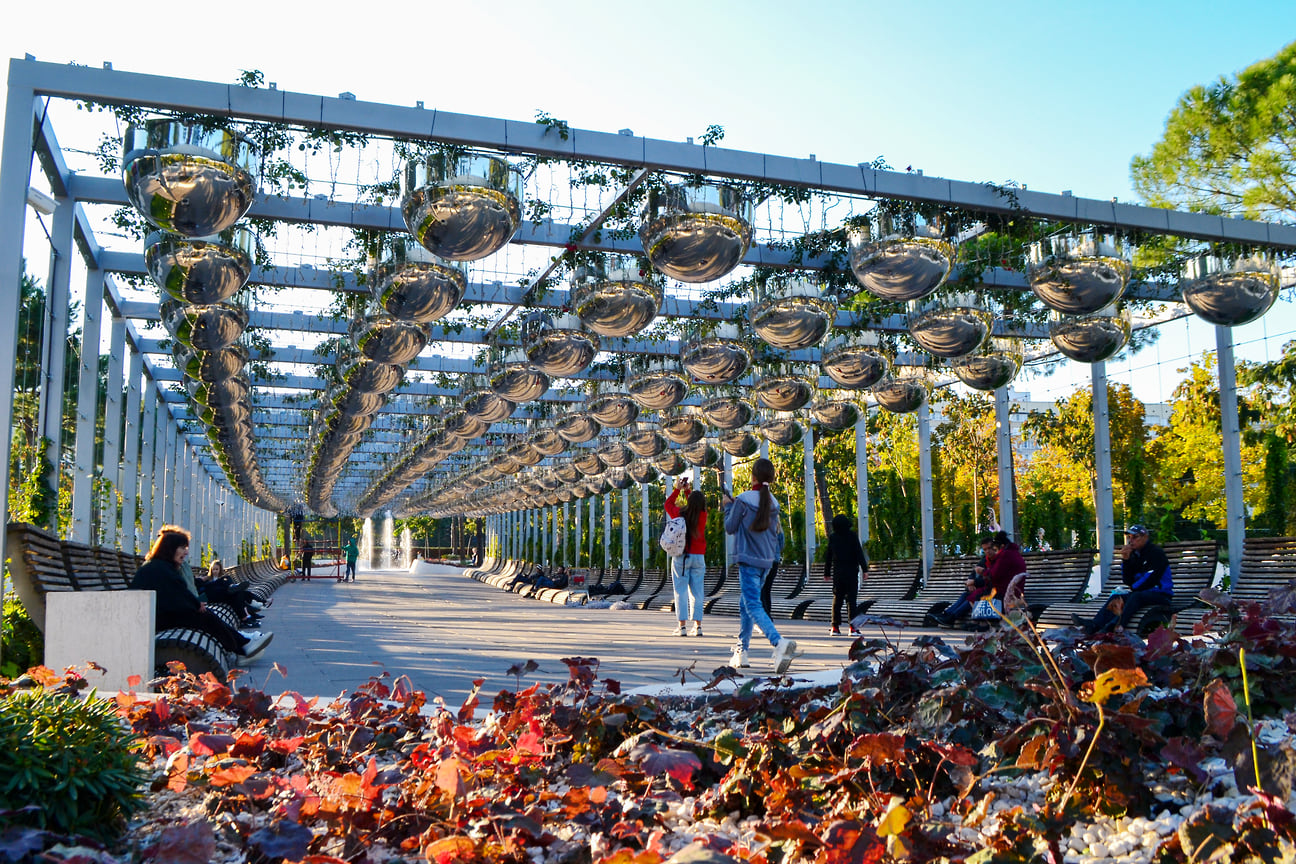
(925, 501)
(607, 530)
(1003, 437)
(54, 342)
(148, 464)
(591, 530)
(861, 479)
(171, 436)
(644, 526)
(1103, 510)
(131, 454)
(728, 483)
(87, 411)
(625, 529)
(576, 544)
(1234, 503)
(159, 465)
(764, 448)
(108, 506)
(566, 524)
(807, 450)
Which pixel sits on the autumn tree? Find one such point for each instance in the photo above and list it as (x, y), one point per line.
(965, 441)
(1229, 147)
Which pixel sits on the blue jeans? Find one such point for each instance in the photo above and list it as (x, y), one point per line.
(686, 579)
(350, 570)
(750, 610)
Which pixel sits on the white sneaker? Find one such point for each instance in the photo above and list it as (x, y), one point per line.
(696, 629)
(251, 634)
(255, 605)
(679, 629)
(783, 654)
(255, 646)
(739, 658)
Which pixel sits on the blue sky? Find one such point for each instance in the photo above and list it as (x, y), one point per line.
(1053, 95)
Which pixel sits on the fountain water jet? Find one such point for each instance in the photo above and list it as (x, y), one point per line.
(387, 552)
(367, 544)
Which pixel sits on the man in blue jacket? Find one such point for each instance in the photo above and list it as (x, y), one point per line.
(1145, 570)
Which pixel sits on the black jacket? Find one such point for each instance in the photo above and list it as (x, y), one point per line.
(173, 597)
(844, 558)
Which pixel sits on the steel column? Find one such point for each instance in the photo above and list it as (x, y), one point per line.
(148, 463)
(117, 360)
(807, 452)
(131, 453)
(1103, 510)
(644, 527)
(625, 529)
(728, 484)
(1007, 492)
(925, 501)
(861, 479)
(54, 333)
(607, 530)
(1231, 438)
(87, 411)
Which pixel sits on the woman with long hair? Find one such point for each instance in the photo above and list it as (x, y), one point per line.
(177, 605)
(753, 520)
(688, 570)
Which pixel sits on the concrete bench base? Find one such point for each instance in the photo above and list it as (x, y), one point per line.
(114, 629)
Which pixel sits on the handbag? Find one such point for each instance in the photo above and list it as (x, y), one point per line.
(987, 610)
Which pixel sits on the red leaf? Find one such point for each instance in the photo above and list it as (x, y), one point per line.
(448, 778)
(248, 744)
(530, 744)
(469, 708)
(286, 745)
(680, 765)
(449, 850)
(231, 775)
(852, 843)
(208, 744)
(1185, 753)
(190, 843)
(1221, 709)
(178, 771)
(133, 681)
(879, 748)
(215, 693)
(164, 744)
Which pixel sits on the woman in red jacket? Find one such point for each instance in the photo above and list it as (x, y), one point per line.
(1006, 565)
(688, 569)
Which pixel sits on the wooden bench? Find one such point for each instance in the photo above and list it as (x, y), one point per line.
(654, 581)
(889, 581)
(787, 582)
(713, 582)
(1268, 563)
(1192, 566)
(946, 582)
(1059, 576)
(38, 568)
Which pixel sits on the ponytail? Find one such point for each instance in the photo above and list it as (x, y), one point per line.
(762, 476)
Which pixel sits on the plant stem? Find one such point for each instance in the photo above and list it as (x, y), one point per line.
(1092, 741)
(1246, 694)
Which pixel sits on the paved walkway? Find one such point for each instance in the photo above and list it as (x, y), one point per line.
(444, 629)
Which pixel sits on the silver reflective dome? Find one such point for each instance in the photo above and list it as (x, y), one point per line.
(210, 365)
(781, 390)
(386, 340)
(900, 394)
(645, 440)
(548, 442)
(613, 410)
(898, 268)
(200, 270)
(615, 298)
(854, 360)
(487, 405)
(791, 315)
(1091, 338)
(717, 358)
(950, 328)
(1230, 291)
(994, 366)
(696, 233)
(836, 414)
(588, 463)
(701, 453)
(370, 376)
(783, 430)
(681, 426)
(188, 180)
(577, 427)
(739, 443)
(1077, 275)
(556, 345)
(412, 284)
(641, 472)
(462, 208)
(204, 328)
(615, 454)
(730, 411)
(658, 387)
(670, 463)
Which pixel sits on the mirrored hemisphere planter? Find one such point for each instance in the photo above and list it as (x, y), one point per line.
(715, 356)
(558, 345)
(209, 327)
(1091, 338)
(682, 425)
(854, 360)
(210, 365)
(512, 376)
(547, 441)
(785, 386)
(994, 365)
(950, 326)
(727, 407)
(1079, 274)
(701, 453)
(616, 295)
(782, 428)
(791, 313)
(642, 472)
(462, 207)
(384, 339)
(835, 413)
(738, 443)
(900, 262)
(200, 270)
(577, 427)
(645, 439)
(656, 383)
(187, 179)
(903, 391)
(696, 233)
(611, 405)
(1229, 291)
(478, 400)
(669, 463)
(412, 284)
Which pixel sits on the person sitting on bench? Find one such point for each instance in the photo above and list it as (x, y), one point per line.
(1145, 570)
(218, 588)
(177, 606)
(557, 580)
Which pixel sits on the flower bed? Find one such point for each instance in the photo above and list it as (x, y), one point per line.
(1004, 749)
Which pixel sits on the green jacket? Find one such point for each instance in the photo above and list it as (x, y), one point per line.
(352, 551)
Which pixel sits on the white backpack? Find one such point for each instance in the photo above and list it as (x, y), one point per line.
(673, 536)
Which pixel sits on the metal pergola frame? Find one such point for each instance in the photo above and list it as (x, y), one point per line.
(173, 459)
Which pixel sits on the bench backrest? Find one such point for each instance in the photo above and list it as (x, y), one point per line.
(36, 564)
(1267, 563)
(1192, 566)
(110, 566)
(82, 562)
(1058, 576)
(948, 577)
(892, 580)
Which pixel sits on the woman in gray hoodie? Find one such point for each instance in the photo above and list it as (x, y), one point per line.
(753, 520)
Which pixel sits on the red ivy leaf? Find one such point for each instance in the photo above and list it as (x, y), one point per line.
(208, 744)
(852, 843)
(248, 744)
(133, 681)
(449, 850)
(879, 748)
(1185, 754)
(286, 745)
(190, 843)
(679, 765)
(282, 840)
(231, 775)
(178, 771)
(530, 743)
(164, 744)
(469, 708)
(1221, 709)
(448, 778)
(214, 693)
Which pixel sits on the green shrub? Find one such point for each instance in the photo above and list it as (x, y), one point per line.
(73, 759)
(21, 644)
